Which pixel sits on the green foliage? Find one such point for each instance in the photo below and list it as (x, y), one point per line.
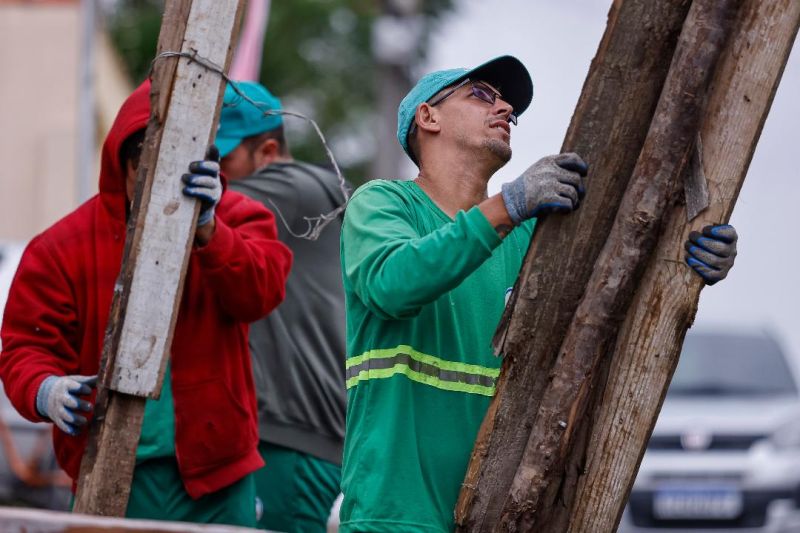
(317, 58)
(134, 28)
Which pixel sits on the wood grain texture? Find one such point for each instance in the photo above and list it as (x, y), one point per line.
(157, 247)
(167, 232)
(695, 183)
(542, 481)
(665, 304)
(19, 520)
(104, 481)
(608, 130)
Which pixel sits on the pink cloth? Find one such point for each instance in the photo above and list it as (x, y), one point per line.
(247, 58)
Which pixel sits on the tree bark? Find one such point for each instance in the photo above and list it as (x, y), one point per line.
(608, 130)
(538, 488)
(665, 304)
(158, 242)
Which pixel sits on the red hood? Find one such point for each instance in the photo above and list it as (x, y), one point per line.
(132, 116)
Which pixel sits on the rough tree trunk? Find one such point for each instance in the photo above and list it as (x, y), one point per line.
(608, 129)
(539, 486)
(665, 304)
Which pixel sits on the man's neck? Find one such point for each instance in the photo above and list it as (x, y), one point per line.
(454, 187)
(282, 159)
(272, 161)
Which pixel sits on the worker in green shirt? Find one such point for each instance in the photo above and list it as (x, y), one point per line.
(426, 265)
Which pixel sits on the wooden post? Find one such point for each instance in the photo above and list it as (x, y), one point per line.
(21, 520)
(538, 486)
(533, 349)
(608, 129)
(665, 304)
(158, 244)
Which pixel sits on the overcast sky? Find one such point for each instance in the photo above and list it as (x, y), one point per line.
(556, 41)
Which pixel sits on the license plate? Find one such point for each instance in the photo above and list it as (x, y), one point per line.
(697, 502)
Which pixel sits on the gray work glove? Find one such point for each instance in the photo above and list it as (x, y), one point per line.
(711, 253)
(58, 399)
(554, 184)
(202, 182)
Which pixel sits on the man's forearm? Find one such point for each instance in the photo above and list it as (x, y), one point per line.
(495, 212)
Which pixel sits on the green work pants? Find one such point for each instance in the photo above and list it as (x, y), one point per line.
(157, 493)
(296, 489)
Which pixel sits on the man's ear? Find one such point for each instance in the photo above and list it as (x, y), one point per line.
(427, 118)
(267, 152)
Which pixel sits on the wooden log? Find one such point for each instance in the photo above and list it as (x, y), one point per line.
(158, 244)
(538, 486)
(165, 223)
(665, 304)
(608, 129)
(19, 520)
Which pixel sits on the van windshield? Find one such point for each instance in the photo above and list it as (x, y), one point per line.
(732, 365)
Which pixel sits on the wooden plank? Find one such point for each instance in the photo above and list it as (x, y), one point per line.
(168, 217)
(608, 129)
(157, 247)
(18, 520)
(664, 307)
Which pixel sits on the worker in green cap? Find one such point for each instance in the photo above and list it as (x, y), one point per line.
(297, 350)
(427, 264)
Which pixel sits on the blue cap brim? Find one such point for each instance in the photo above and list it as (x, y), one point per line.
(227, 145)
(506, 73)
(509, 76)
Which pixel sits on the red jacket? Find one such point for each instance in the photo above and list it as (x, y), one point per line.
(59, 302)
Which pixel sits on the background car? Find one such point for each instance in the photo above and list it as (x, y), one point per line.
(29, 475)
(725, 451)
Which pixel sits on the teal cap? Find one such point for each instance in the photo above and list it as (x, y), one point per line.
(240, 119)
(506, 73)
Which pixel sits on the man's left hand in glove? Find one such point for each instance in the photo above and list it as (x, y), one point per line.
(203, 183)
(711, 253)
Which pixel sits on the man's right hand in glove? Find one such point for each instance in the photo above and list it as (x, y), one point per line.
(59, 400)
(554, 184)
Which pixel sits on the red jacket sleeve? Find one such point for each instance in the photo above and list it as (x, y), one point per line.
(244, 263)
(39, 328)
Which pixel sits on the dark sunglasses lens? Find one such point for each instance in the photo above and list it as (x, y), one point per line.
(484, 94)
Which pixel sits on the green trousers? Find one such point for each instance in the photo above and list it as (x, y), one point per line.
(296, 489)
(157, 493)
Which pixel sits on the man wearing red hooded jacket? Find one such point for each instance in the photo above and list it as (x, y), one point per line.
(199, 442)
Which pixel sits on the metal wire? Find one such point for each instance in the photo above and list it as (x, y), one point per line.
(315, 224)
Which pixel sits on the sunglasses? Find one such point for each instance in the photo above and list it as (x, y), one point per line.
(480, 91)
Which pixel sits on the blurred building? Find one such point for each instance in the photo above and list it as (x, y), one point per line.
(60, 85)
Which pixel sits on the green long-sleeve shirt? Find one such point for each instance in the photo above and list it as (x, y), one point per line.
(424, 294)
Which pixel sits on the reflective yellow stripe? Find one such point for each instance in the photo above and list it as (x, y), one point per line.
(422, 368)
(423, 358)
(420, 378)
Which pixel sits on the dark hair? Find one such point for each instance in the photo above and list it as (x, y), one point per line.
(254, 141)
(131, 149)
(413, 145)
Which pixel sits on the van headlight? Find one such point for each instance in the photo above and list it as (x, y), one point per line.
(787, 437)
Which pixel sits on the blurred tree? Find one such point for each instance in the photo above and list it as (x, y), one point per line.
(318, 57)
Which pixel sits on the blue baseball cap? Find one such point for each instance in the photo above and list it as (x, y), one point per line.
(240, 119)
(506, 73)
